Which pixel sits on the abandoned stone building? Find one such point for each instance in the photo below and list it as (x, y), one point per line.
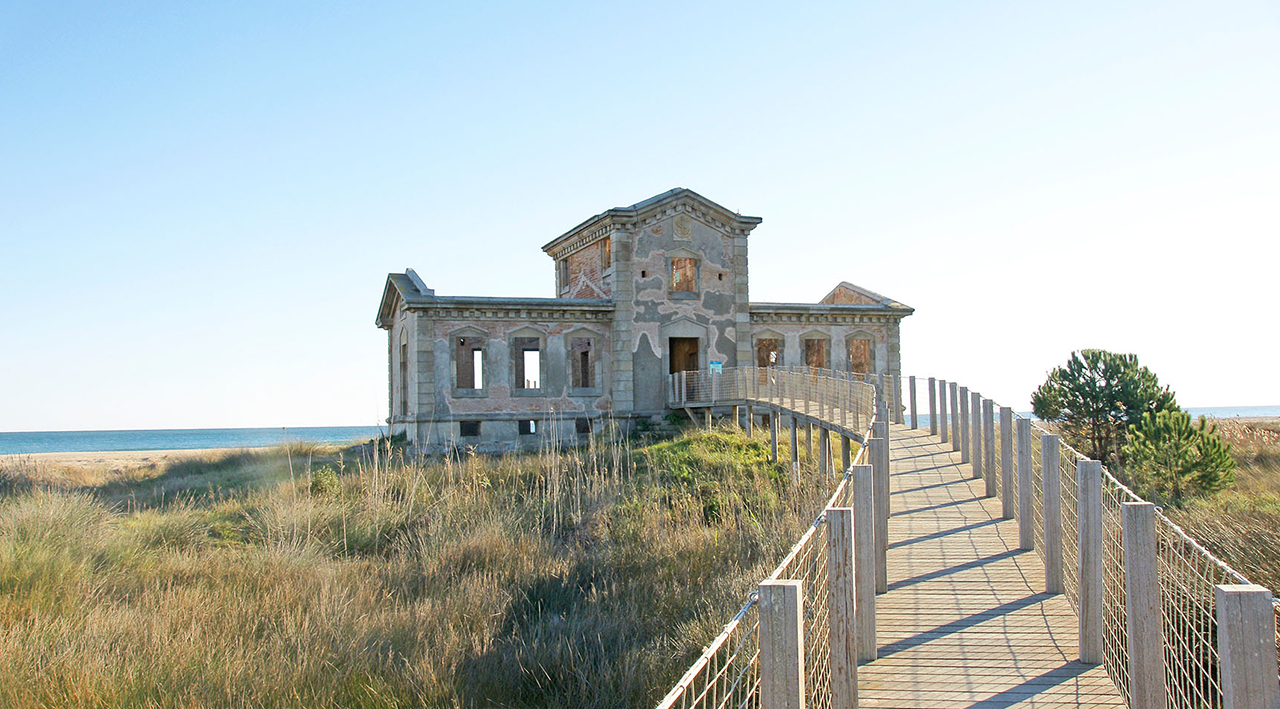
(641, 291)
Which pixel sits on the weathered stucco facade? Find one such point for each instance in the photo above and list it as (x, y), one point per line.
(642, 291)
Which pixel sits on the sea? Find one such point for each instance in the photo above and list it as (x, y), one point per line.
(21, 443)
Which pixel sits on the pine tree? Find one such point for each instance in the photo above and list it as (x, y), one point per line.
(1096, 397)
(1171, 459)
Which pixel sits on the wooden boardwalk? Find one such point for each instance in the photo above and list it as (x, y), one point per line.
(965, 622)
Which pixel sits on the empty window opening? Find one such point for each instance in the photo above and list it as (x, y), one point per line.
(528, 362)
(861, 359)
(684, 275)
(815, 353)
(469, 429)
(528, 427)
(470, 363)
(606, 254)
(768, 352)
(644, 274)
(683, 353)
(719, 276)
(404, 377)
(582, 359)
(582, 426)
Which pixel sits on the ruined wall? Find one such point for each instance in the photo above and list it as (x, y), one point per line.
(590, 275)
(499, 403)
(662, 308)
(883, 335)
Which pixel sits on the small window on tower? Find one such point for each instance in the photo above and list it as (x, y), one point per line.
(684, 275)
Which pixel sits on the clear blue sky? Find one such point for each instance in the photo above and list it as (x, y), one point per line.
(199, 201)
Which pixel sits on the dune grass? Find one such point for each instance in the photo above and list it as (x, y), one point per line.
(1242, 524)
(589, 577)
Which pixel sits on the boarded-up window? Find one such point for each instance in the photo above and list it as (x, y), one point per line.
(606, 254)
(582, 359)
(815, 353)
(562, 273)
(861, 360)
(404, 377)
(527, 355)
(684, 274)
(768, 352)
(469, 360)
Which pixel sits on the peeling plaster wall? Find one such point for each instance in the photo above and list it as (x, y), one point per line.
(588, 277)
(708, 311)
(884, 336)
(498, 403)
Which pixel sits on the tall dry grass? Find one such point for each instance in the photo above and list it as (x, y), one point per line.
(1242, 525)
(589, 577)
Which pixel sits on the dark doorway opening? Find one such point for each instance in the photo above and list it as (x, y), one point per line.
(683, 353)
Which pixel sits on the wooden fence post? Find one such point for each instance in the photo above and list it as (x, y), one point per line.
(1142, 605)
(1026, 491)
(795, 446)
(897, 399)
(846, 454)
(773, 435)
(1089, 528)
(824, 450)
(781, 645)
(989, 446)
(933, 407)
(1007, 500)
(964, 425)
(875, 446)
(955, 417)
(751, 420)
(975, 433)
(1246, 646)
(864, 565)
(1051, 487)
(942, 415)
(842, 609)
(915, 413)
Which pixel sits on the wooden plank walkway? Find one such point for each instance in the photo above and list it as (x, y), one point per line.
(965, 622)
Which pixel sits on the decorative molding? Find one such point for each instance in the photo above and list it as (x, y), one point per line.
(521, 315)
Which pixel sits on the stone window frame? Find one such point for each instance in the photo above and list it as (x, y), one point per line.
(486, 358)
(816, 335)
(696, 292)
(531, 332)
(871, 348)
(402, 371)
(596, 365)
(562, 275)
(768, 335)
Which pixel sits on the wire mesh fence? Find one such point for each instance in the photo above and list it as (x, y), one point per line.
(727, 674)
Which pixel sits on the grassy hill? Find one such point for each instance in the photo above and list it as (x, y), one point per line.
(313, 577)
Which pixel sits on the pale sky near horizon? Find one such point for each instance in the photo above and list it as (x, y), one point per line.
(199, 203)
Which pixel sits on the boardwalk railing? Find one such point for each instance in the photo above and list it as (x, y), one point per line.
(1174, 625)
(729, 671)
(1107, 549)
